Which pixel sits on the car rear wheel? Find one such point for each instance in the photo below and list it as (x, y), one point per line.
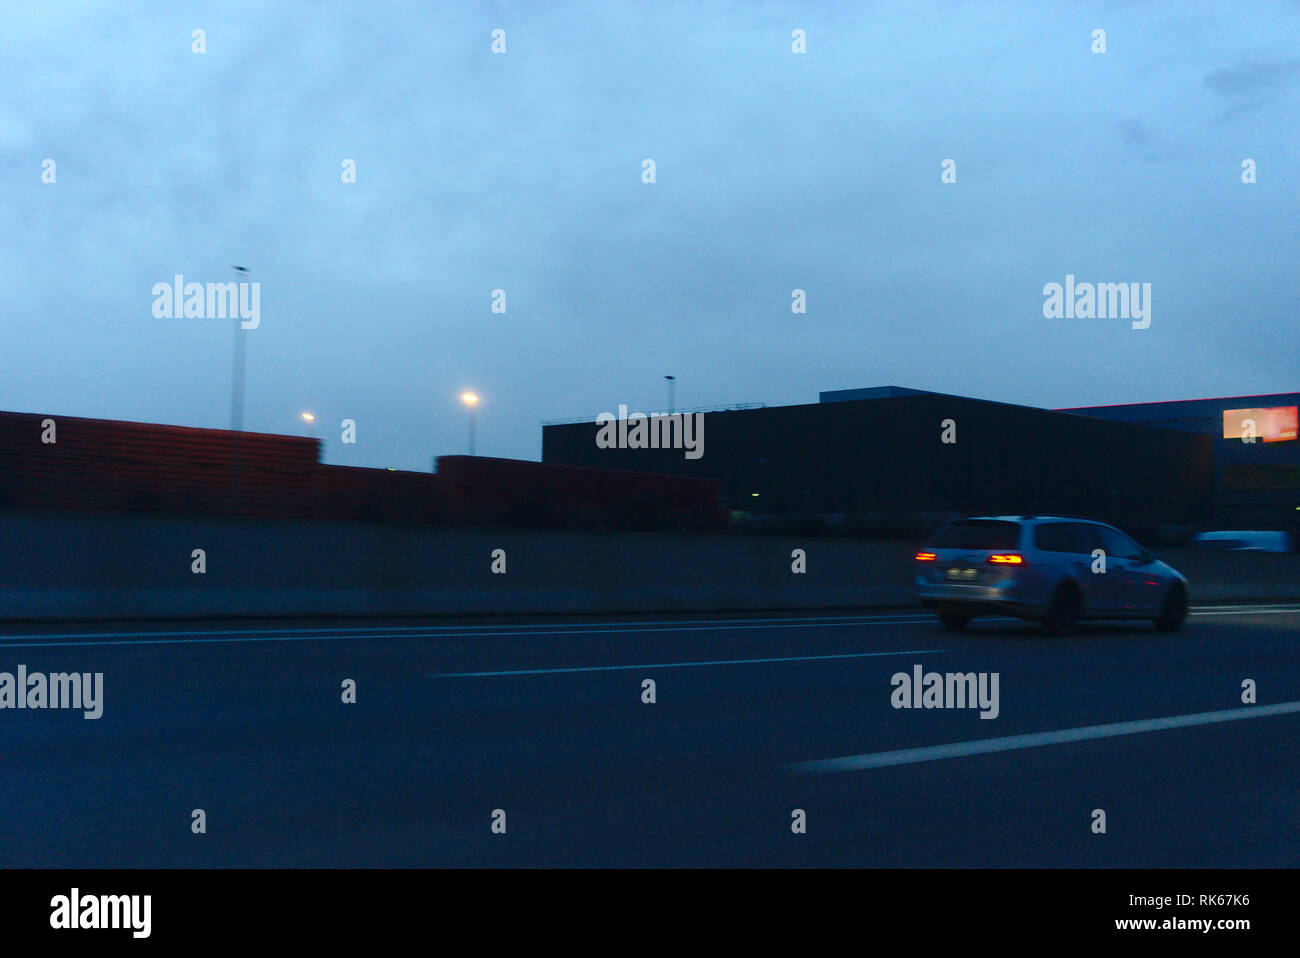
(1173, 612)
(1063, 613)
(954, 622)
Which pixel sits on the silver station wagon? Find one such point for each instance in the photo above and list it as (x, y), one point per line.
(1056, 570)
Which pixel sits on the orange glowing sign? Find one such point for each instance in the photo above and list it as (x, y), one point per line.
(1271, 425)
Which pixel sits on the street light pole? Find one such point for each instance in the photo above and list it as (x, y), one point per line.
(237, 401)
(672, 383)
(237, 373)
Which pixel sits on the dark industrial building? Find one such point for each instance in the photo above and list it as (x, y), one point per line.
(884, 451)
(1256, 484)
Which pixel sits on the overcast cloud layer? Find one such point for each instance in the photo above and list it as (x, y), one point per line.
(522, 172)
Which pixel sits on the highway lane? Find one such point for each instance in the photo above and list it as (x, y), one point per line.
(544, 719)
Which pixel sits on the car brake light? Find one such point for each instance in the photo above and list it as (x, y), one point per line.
(925, 557)
(1007, 559)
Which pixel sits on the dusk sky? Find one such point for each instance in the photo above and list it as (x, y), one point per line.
(522, 171)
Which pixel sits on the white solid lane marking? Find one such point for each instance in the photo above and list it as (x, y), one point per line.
(681, 665)
(930, 753)
(1260, 611)
(326, 637)
(328, 634)
(391, 630)
(1284, 606)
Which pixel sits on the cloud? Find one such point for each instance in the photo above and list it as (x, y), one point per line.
(1249, 87)
(1134, 132)
(1151, 143)
(1252, 80)
(522, 172)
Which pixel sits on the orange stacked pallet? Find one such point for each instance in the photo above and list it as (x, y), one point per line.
(98, 465)
(104, 466)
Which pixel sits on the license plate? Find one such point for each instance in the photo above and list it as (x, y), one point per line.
(963, 573)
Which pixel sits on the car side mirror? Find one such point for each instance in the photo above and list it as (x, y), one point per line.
(1148, 556)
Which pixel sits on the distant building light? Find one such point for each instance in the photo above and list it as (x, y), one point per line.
(1271, 425)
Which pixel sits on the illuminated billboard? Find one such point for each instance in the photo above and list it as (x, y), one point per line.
(1271, 425)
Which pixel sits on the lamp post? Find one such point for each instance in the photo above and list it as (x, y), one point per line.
(237, 373)
(471, 403)
(672, 381)
(310, 419)
(237, 400)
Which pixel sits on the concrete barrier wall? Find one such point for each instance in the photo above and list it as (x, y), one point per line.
(1228, 576)
(111, 567)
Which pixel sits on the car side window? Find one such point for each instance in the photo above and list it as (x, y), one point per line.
(1073, 537)
(1084, 538)
(1118, 545)
(1050, 537)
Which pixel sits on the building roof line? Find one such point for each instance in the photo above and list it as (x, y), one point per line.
(1170, 402)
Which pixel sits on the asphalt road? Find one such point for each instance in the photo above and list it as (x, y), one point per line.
(544, 719)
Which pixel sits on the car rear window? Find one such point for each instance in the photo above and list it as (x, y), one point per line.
(978, 534)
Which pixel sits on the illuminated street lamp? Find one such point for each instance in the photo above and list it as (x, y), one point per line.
(310, 419)
(471, 403)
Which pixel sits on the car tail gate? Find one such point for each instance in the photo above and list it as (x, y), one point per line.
(972, 552)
